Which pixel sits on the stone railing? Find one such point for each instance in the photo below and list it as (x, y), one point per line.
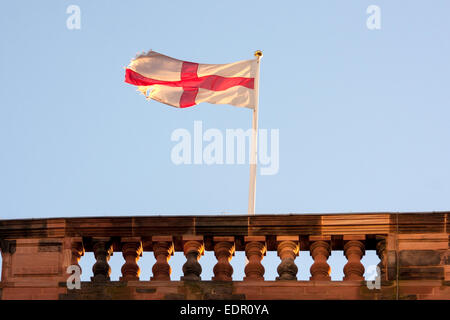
(413, 249)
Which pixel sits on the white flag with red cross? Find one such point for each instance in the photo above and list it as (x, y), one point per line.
(184, 84)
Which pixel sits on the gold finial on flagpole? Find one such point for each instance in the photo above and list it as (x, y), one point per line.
(258, 54)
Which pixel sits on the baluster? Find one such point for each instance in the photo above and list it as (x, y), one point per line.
(320, 250)
(103, 250)
(354, 251)
(8, 248)
(288, 249)
(77, 250)
(382, 254)
(255, 249)
(223, 250)
(163, 249)
(194, 248)
(131, 252)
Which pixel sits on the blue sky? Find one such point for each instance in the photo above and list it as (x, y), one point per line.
(362, 114)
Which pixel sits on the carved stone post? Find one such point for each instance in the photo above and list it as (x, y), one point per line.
(255, 249)
(103, 251)
(287, 250)
(354, 251)
(320, 250)
(8, 248)
(163, 249)
(194, 248)
(131, 251)
(223, 250)
(382, 254)
(77, 250)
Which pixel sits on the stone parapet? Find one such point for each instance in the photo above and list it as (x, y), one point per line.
(413, 249)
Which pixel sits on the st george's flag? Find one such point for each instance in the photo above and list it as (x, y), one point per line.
(183, 84)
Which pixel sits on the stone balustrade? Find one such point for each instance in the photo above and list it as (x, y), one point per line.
(413, 249)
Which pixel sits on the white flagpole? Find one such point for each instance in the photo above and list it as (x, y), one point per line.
(254, 142)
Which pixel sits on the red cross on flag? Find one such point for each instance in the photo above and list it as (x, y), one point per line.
(184, 84)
